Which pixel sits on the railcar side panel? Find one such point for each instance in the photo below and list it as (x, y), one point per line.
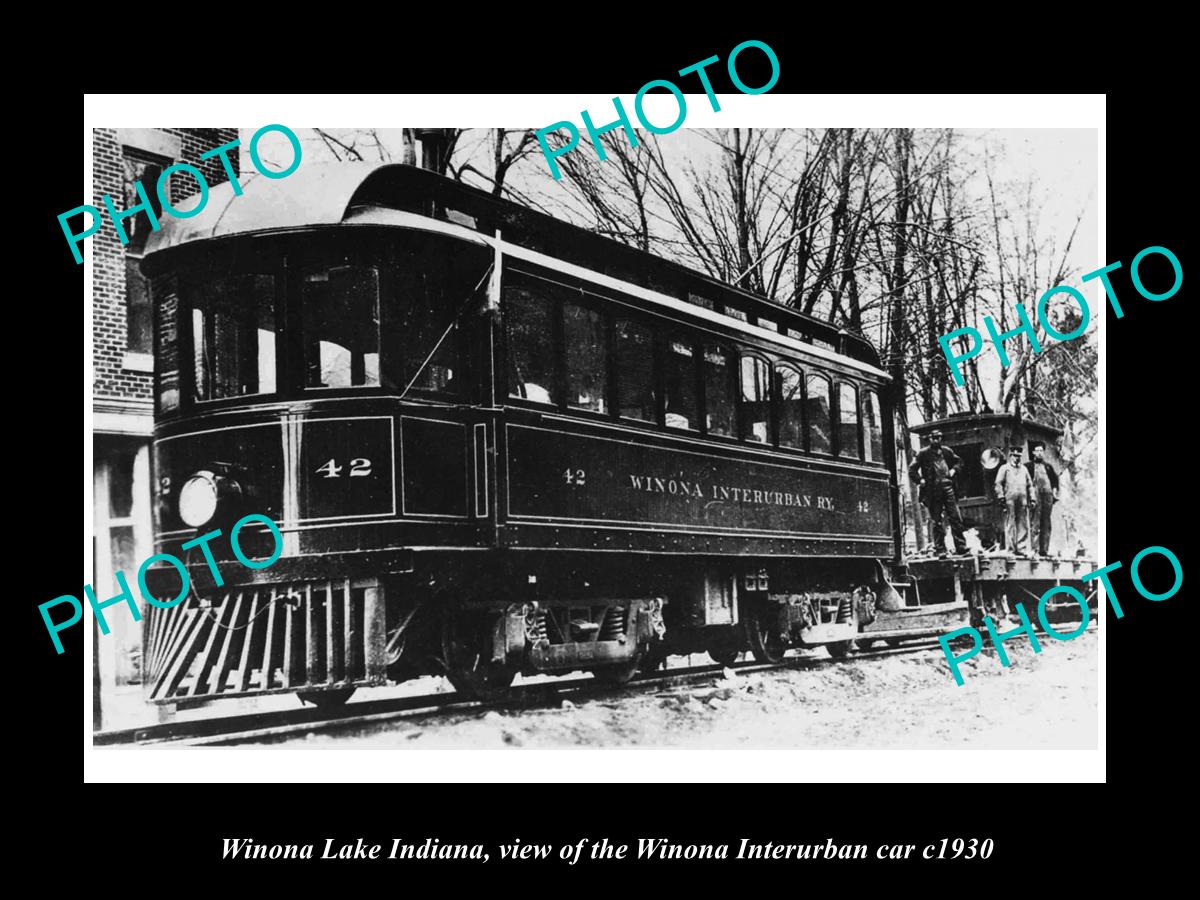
(624, 482)
(358, 477)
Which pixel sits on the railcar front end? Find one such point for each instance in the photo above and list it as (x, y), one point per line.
(486, 458)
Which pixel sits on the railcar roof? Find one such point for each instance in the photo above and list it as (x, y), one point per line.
(323, 194)
(967, 421)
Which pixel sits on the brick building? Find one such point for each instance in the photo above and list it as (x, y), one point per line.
(122, 397)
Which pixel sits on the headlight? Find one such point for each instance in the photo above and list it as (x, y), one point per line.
(198, 499)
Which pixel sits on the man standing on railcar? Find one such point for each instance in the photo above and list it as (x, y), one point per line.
(934, 469)
(1014, 488)
(1045, 495)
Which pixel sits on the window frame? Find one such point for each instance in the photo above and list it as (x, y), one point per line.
(828, 379)
(858, 436)
(194, 279)
(283, 257)
(135, 360)
(170, 286)
(382, 251)
(382, 285)
(777, 406)
(656, 369)
(558, 361)
(696, 345)
(613, 305)
(753, 353)
(864, 392)
(732, 357)
(581, 299)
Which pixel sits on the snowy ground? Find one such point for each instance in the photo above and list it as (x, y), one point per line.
(1045, 700)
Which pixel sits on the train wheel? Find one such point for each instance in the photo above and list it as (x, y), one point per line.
(766, 643)
(620, 673)
(467, 655)
(326, 700)
(725, 655)
(655, 659)
(726, 648)
(838, 649)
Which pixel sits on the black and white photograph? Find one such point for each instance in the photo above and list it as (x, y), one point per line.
(743, 454)
(737, 437)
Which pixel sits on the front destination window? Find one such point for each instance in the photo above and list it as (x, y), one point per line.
(340, 312)
(317, 313)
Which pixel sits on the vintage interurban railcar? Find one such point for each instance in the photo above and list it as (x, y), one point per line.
(493, 443)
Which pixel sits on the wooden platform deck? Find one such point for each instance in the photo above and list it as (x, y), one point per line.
(1002, 568)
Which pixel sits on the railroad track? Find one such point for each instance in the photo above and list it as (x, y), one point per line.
(285, 723)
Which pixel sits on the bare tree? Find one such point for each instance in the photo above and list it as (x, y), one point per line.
(395, 145)
(610, 196)
(507, 148)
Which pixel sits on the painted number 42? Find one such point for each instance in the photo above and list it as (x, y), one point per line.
(864, 506)
(357, 467)
(574, 476)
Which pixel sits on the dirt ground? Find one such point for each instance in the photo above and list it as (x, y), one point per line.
(1043, 700)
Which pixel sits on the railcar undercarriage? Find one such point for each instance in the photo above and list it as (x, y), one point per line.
(324, 638)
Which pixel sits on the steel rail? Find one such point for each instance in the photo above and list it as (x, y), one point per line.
(282, 723)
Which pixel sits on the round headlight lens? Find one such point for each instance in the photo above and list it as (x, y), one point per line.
(198, 500)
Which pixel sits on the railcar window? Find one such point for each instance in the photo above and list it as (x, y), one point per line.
(718, 390)
(430, 291)
(166, 360)
(233, 337)
(972, 481)
(340, 310)
(791, 403)
(872, 419)
(530, 330)
(847, 420)
(681, 385)
(756, 400)
(816, 414)
(429, 366)
(585, 336)
(635, 370)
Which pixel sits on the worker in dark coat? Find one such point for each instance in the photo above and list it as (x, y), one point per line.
(934, 470)
(1045, 495)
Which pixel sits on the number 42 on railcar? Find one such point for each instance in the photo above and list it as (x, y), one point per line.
(494, 443)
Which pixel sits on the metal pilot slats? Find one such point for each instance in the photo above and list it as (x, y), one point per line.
(351, 635)
(267, 666)
(289, 642)
(311, 650)
(182, 658)
(333, 664)
(208, 656)
(272, 638)
(235, 631)
(243, 671)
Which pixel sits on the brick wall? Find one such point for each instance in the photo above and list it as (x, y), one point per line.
(112, 379)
